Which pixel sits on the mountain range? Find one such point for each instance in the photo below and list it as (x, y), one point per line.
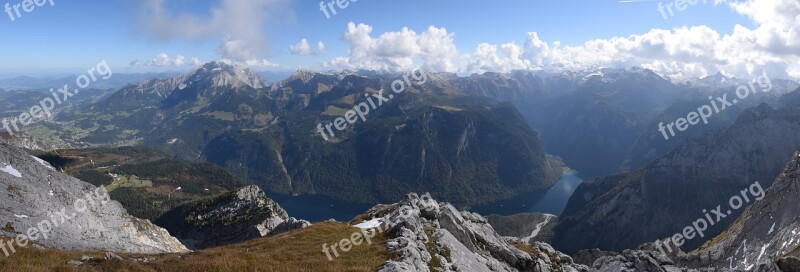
(210, 140)
(468, 150)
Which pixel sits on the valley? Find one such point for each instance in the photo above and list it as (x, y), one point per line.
(516, 136)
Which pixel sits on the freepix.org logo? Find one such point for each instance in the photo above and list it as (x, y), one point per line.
(14, 11)
(331, 6)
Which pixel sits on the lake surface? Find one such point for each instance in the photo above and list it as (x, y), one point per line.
(553, 201)
(317, 208)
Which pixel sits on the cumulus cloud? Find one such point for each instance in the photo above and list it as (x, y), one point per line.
(260, 63)
(164, 60)
(397, 50)
(772, 45)
(302, 48)
(239, 25)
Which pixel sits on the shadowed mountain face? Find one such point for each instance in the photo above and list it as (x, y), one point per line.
(765, 231)
(763, 238)
(604, 121)
(465, 149)
(668, 194)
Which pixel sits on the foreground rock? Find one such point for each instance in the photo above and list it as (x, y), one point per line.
(232, 217)
(431, 236)
(73, 214)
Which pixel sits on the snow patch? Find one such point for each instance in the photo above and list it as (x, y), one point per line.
(43, 163)
(11, 171)
(20, 216)
(771, 229)
(371, 224)
(764, 248)
(538, 228)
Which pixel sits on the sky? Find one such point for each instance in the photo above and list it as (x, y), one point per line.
(738, 38)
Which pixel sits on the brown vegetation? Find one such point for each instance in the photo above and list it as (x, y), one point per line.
(299, 250)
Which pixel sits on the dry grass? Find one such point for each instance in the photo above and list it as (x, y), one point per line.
(294, 251)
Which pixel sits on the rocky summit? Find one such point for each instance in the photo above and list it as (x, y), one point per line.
(430, 236)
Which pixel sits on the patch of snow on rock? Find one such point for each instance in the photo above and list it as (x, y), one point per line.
(371, 224)
(11, 171)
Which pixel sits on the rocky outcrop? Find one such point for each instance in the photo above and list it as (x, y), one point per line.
(431, 236)
(55, 210)
(644, 258)
(233, 217)
(426, 235)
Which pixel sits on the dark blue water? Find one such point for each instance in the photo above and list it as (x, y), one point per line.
(317, 208)
(553, 201)
(320, 208)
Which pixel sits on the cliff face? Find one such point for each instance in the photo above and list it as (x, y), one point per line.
(763, 238)
(68, 213)
(233, 217)
(765, 232)
(668, 194)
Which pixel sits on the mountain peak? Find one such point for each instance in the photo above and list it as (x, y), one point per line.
(303, 74)
(718, 78)
(223, 74)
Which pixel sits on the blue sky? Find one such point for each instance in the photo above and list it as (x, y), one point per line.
(76, 34)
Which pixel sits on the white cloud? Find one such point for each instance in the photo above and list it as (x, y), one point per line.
(302, 48)
(321, 47)
(195, 61)
(260, 63)
(397, 50)
(239, 25)
(772, 45)
(164, 60)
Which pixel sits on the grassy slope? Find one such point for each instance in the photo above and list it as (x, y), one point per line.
(299, 250)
